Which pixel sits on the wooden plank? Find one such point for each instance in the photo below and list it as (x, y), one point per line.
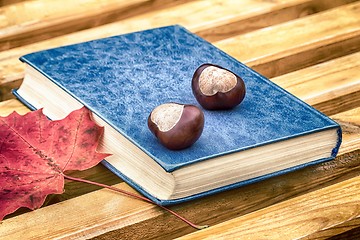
(201, 17)
(134, 222)
(296, 44)
(336, 203)
(8, 2)
(30, 12)
(113, 216)
(66, 16)
(225, 28)
(344, 103)
(338, 232)
(31, 21)
(351, 234)
(83, 217)
(350, 124)
(7, 107)
(197, 16)
(6, 89)
(131, 219)
(331, 87)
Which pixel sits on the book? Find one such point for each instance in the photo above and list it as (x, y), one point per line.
(121, 79)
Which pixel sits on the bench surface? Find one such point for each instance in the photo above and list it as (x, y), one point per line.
(309, 47)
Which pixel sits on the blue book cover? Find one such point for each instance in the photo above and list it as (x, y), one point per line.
(122, 78)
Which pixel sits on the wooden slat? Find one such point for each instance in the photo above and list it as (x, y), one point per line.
(83, 216)
(283, 11)
(313, 189)
(8, 2)
(54, 13)
(27, 13)
(31, 21)
(331, 87)
(7, 107)
(201, 17)
(102, 211)
(350, 124)
(227, 205)
(293, 45)
(351, 234)
(294, 218)
(338, 232)
(6, 89)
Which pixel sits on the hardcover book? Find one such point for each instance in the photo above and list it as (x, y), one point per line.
(121, 79)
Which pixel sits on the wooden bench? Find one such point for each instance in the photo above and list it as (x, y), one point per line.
(309, 47)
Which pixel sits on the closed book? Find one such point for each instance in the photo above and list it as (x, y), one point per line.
(121, 79)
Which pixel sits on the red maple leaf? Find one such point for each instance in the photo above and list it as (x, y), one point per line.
(35, 152)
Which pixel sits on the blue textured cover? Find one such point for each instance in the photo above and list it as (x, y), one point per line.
(123, 78)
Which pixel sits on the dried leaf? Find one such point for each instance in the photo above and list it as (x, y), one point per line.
(35, 152)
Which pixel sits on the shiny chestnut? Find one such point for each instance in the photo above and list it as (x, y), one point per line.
(176, 126)
(217, 88)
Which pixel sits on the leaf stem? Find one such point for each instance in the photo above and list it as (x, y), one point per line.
(139, 197)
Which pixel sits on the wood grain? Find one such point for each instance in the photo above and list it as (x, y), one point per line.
(66, 16)
(350, 124)
(7, 107)
(260, 17)
(131, 219)
(341, 231)
(82, 215)
(8, 2)
(294, 218)
(201, 17)
(58, 17)
(299, 43)
(331, 87)
(227, 205)
(309, 47)
(351, 234)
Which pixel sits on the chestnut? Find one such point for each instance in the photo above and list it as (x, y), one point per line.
(176, 126)
(216, 88)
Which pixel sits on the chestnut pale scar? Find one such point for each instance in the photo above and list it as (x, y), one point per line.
(213, 80)
(166, 116)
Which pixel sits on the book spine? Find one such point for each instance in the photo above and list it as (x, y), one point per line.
(338, 143)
